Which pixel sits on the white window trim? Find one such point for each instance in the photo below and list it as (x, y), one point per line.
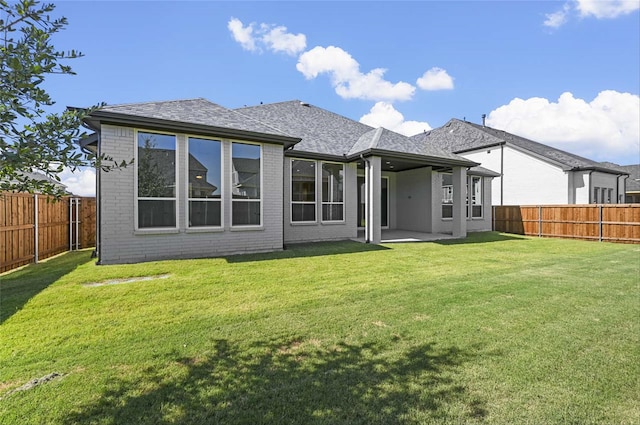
(197, 229)
(291, 201)
(148, 230)
(322, 203)
(261, 199)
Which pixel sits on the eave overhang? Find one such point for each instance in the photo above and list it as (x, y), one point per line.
(427, 160)
(97, 118)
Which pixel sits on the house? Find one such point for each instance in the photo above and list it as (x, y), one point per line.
(529, 173)
(633, 182)
(276, 174)
(35, 176)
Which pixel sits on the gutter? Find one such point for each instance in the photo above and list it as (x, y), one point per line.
(191, 128)
(433, 160)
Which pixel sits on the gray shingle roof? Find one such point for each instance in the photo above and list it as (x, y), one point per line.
(321, 131)
(192, 111)
(633, 182)
(460, 136)
(325, 132)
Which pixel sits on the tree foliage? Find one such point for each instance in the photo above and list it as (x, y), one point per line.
(31, 139)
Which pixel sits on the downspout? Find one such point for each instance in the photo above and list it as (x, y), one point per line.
(624, 194)
(285, 162)
(96, 253)
(590, 187)
(284, 198)
(367, 178)
(501, 174)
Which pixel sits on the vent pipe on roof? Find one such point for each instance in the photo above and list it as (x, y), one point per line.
(484, 117)
(304, 104)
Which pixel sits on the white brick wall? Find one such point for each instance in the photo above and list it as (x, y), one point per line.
(121, 243)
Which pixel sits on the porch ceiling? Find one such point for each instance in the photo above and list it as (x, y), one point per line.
(396, 165)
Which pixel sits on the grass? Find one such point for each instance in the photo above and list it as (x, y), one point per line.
(497, 330)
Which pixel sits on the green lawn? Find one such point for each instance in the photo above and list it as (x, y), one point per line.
(499, 329)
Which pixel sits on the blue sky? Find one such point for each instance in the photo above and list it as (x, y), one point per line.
(565, 73)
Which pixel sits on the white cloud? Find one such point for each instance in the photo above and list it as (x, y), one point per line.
(82, 182)
(435, 79)
(608, 126)
(279, 40)
(242, 34)
(599, 9)
(559, 18)
(274, 38)
(346, 77)
(383, 114)
(606, 9)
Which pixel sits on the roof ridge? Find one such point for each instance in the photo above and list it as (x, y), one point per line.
(375, 141)
(235, 111)
(159, 101)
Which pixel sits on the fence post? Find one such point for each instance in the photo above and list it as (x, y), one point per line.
(77, 223)
(35, 228)
(493, 218)
(539, 221)
(70, 224)
(600, 226)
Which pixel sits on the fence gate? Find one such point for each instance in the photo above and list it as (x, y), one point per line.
(74, 224)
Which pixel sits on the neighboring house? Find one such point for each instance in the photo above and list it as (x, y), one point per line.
(529, 173)
(633, 182)
(283, 173)
(38, 176)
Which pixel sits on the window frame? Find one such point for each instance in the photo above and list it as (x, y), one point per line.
(315, 186)
(222, 184)
(471, 198)
(442, 201)
(137, 199)
(322, 202)
(234, 200)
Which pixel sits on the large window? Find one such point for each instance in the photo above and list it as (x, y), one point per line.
(205, 182)
(447, 196)
(156, 191)
(246, 184)
(474, 196)
(332, 192)
(303, 191)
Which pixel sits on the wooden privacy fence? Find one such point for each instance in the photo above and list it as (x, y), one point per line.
(34, 227)
(608, 222)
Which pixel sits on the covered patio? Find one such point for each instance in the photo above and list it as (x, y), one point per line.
(404, 236)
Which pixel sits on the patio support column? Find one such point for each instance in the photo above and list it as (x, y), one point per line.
(459, 202)
(373, 183)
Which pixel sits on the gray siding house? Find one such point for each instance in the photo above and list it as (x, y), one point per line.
(210, 181)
